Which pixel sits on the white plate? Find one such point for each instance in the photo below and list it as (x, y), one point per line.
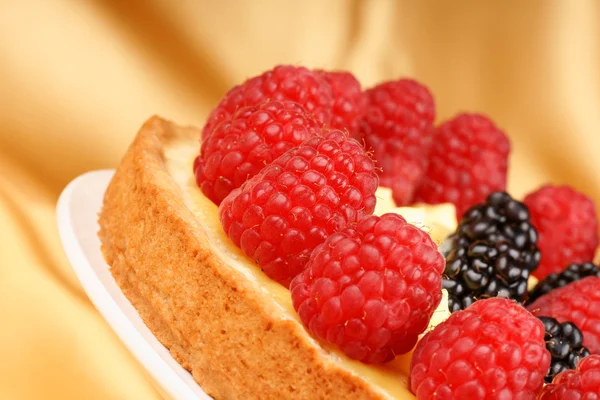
(77, 214)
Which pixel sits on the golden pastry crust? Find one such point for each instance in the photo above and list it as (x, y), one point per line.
(235, 340)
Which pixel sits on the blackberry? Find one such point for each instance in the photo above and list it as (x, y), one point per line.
(501, 218)
(572, 273)
(482, 270)
(492, 253)
(565, 344)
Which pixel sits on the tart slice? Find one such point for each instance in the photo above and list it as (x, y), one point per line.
(231, 326)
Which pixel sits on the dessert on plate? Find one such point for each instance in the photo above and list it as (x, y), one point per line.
(315, 240)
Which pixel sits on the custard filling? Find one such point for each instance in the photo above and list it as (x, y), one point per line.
(391, 379)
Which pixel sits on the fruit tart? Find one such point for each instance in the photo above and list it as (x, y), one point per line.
(318, 241)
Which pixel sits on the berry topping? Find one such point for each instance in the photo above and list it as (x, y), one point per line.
(371, 289)
(568, 227)
(577, 302)
(565, 344)
(580, 384)
(494, 349)
(292, 205)
(572, 273)
(241, 146)
(284, 82)
(492, 253)
(349, 103)
(468, 161)
(398, 125)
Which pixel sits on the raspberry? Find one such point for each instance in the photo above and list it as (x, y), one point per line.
(572, 273)
(493, 349)
(349, 103)
(468, 161)
(565, 344)
(371, 289)
(579, 303)
(293, 204)
(398, 124)
(492, 252)
(283, 82)
(582, 383)
(568, 227)
(241, 146)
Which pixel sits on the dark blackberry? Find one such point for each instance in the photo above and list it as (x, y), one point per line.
(492, 253)
(572, 273)
(565, 344)
(482, 270)
(501, 218)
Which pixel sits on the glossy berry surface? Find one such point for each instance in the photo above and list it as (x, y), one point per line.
(572, 273)
(494, 349)
(293, 204)
(483, 270)
(349, 103)
(492, 253)
(565, 344)
(567, 224)
(284, 82)
(371, 289)
(468, 161)
(577, 302)
(397, 126)
(241, 146)
(580, 384)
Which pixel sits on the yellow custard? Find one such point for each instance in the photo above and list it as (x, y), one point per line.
(391, 379)
(438, 220)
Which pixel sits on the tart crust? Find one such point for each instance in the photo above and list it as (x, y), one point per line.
(232, 337)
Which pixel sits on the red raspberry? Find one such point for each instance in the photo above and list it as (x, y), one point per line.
(349, 103)
(281, 214)
(582, 383)
(567, 226)
(468, 161)
(577, 302)
(284, 82)
(397, 126)
(493, 349)
(371, 289)
(241, 146)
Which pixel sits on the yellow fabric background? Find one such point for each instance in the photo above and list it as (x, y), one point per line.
(77, 79)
